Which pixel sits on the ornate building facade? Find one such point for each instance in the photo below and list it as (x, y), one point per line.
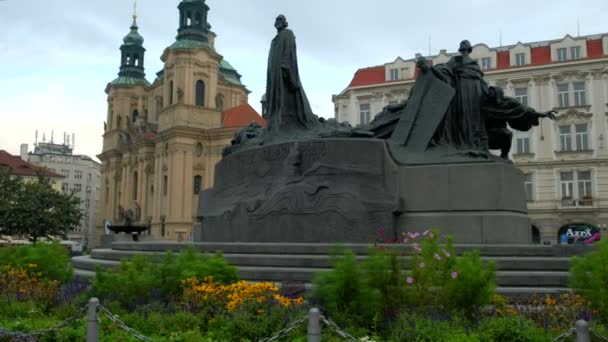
(163, 139)
(566, 161)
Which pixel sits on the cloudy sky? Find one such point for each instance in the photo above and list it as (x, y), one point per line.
(57, 56)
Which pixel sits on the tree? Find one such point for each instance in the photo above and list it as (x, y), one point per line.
(35, 210)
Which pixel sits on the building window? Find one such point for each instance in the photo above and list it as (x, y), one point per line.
(88, 189)
(582, 137)
(486, 63)
(65, 188)
(585, 192)
(562, 55)
(200, 93)
(52, 170)
(65, 173)
(78, 174)
(579, 94)
(77, 187)
(521, 94)
(520, 59)
(523, 142)
(365, 113)
(170, 92)
(198, 182)
(165, 185)
(575, 53)
(565, 138)
(529, 186)
(567, 185)
(135, 184)
(394, 74)
(563, 95)
(89, 177)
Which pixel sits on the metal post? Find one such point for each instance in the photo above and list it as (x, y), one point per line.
(92, 321)
(582, 331)
(314, 325)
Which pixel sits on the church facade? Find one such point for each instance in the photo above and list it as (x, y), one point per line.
(163, 139)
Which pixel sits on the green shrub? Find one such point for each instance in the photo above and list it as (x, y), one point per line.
(589, 278)
(424, 328)
(472, 286)
(159, 278)
(51, 259)
(511, 329)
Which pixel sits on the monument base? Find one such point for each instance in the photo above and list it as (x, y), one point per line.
(345, 190)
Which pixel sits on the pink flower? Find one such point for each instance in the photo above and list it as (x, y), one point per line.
(418, 249)
(447, 254)
(410, 280)
(389, 241)
(431, 235)
(454, 275)
(406, 241)
(437, 257)
(380, 230)
(426, 232)
(422, 265)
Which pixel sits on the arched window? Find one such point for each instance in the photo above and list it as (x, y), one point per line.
(197, 19)
(135, 183)
(198, 182)
(188, 19)
(136, 60)
(119, 122)
(135, 115)
(111, 121)
(200, 93)
(170, 92)
(128, 60)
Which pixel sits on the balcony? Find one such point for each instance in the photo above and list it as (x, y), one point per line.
(569, 202)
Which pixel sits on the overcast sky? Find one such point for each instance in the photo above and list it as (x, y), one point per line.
(57, 56)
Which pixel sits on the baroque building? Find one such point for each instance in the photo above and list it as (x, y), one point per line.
(81, 176)
(565, 162)
(163, 139)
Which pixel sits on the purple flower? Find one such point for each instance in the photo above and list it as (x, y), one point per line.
(447, 254)
(410, 280)
(437, 256)
(426, 232)
(422, 265)
(454, 275)
(417, 249)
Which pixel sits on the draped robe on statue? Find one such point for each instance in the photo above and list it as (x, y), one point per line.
(464, 122)
(287, 104)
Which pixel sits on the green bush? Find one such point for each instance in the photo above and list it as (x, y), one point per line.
(472, 286)
(159, 278)
(423, 328)
(511, 329)
(52, 259)
(589, 278)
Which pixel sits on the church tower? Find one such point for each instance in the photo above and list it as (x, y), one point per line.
(132, 53)
(193, 21)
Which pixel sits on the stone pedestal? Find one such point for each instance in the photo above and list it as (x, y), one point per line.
(344, 190)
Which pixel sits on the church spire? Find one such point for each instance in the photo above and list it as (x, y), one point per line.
(193, 21)
(132, 51)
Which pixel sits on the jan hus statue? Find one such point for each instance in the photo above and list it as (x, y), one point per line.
(287, 107)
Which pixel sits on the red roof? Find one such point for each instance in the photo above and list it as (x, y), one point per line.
(241, 116)
(369, 76)
(541, 55)
(503, 59)
(594, 48)
(19, 167)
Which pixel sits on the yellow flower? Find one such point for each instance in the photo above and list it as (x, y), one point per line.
(550, 301)
(512, 311)
(32, 265)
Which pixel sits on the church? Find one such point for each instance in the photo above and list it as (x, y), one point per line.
(163, 139)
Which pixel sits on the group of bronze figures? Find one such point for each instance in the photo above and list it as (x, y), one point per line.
(449, 107)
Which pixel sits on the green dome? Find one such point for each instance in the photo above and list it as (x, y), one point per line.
(133, 38)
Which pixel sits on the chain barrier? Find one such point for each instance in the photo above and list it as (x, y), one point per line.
(565, 335)
(56, 328)
(285, 331)
(334, 327)
(122, 325)
(598, 336)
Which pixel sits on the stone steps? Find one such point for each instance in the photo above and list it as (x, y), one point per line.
(521, 269)
(325, 261)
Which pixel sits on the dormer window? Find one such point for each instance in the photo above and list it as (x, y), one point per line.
(394, 74)
(486, 63)
(562, 54)
(520, 59)
(575, 52)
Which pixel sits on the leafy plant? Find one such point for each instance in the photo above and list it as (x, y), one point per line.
(589, 278)
(51, 259)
